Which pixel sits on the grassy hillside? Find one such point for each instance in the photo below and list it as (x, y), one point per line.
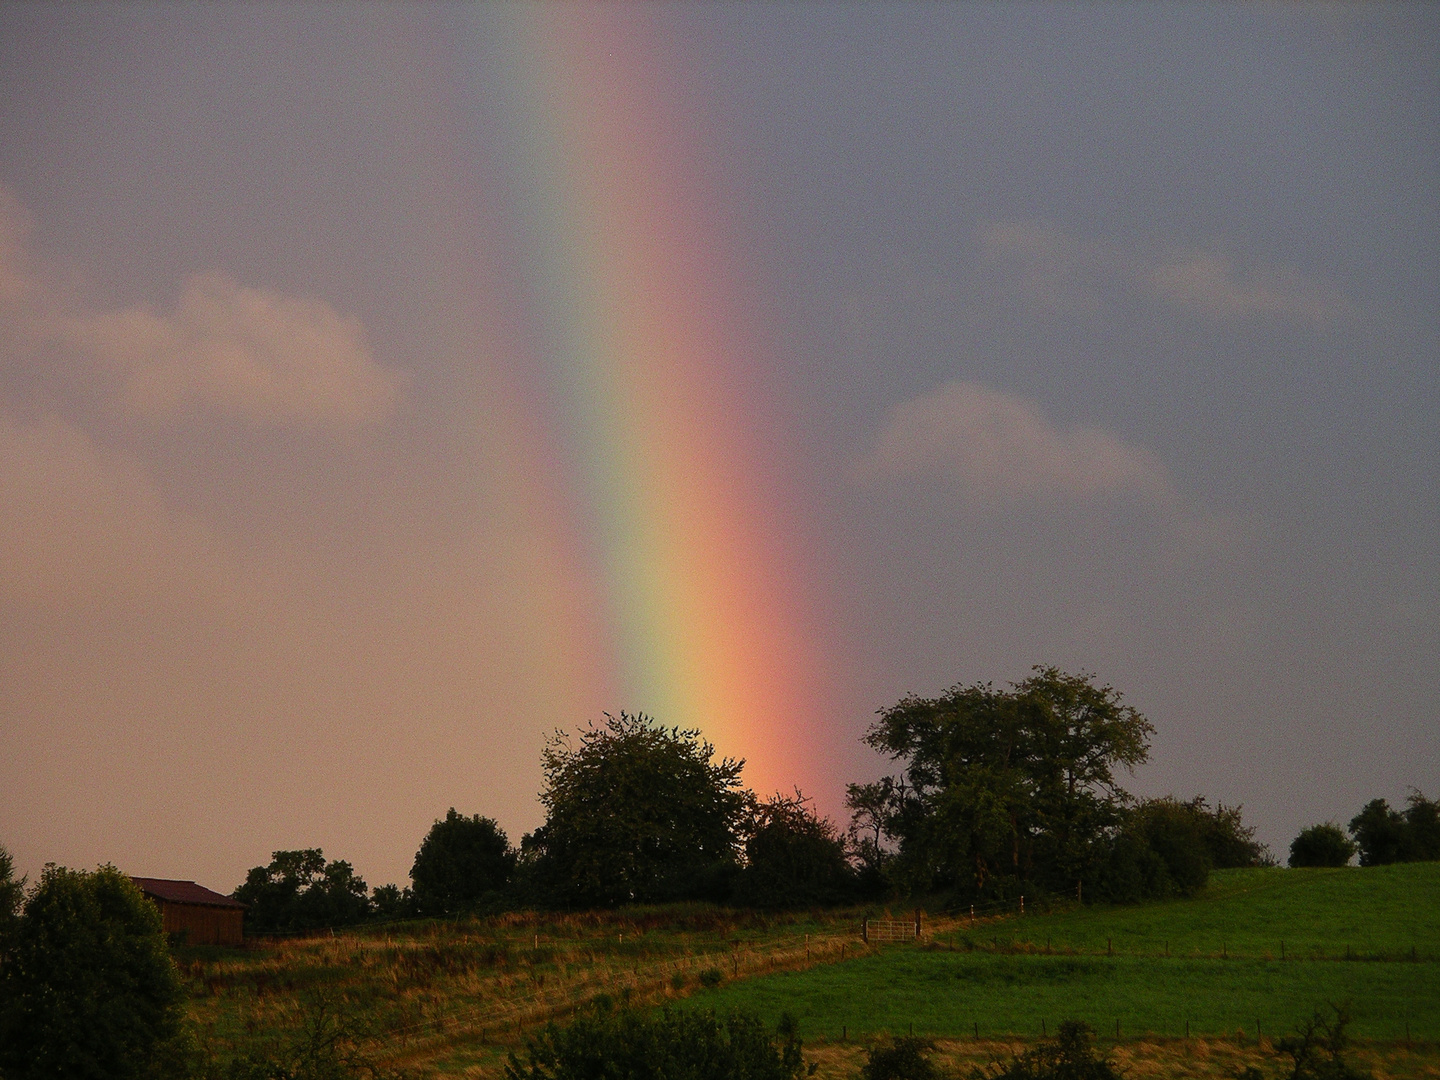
(451, 998)
(1212, 962)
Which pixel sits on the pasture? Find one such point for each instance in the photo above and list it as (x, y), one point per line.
(1233, 968)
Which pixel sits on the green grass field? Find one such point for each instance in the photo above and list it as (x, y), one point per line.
(1223, 972)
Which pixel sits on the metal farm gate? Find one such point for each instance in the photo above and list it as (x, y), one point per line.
(877, 930)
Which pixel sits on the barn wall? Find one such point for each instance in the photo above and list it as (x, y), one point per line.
(201, 925)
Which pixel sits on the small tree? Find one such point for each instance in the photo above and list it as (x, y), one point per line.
(88, 988)
(1318, 1047)
(460, 862)
(1321, 845)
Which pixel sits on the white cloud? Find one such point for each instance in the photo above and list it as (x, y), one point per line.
(251, 353)
(1213, 285)
(999, 447)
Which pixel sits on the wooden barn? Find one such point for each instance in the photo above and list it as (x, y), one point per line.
(194, 914)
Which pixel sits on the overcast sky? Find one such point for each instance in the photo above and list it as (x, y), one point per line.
(1103, 336)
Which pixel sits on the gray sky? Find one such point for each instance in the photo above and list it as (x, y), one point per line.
(1101, 336)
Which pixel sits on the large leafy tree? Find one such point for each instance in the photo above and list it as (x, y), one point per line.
(87, 986)
(1001, 787)
(635, 812)
(460, 861)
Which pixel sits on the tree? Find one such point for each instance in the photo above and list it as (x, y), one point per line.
(635, 813)
(88, 989)
(1230, 842)
(1379, 833)
(460, 862)
(1004, 787)
(299, 890)
(1422, 828)
(1321, 845)
(905, 1058)
(12, 895)
(1318, 1047)
(1159, 851)
(793, 857)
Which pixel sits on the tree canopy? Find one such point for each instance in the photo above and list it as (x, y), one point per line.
(1004, 786)
(299, 890)
(461, 861)
(87, 986)
(635, 812)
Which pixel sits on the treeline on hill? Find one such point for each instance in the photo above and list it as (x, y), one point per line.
(1000, 793)
(1379, 834)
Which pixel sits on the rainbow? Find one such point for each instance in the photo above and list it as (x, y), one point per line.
(668, 500)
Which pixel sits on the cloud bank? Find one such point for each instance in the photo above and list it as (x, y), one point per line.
(253, 354)
(1000, 447)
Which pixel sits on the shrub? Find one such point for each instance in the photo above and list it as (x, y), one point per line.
(1318, 1048)
(1321, 845)
(906, 1058)
(88, 988)
(1069, 1056)
(711, 977)
(675, 1045)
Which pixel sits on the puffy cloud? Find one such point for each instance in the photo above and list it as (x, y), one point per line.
(999, 447)
(1212, 284)
(252, 353)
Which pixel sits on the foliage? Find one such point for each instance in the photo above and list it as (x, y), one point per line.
(1385, 836)
(671, 1045)
(636, 813)
(88, 988)
(391, 902)
(793, 857)
(12, 895)
(1005, 787)
(1318, 1047)
(1230, 842)
(1321, 845)
(299, 890)
(1069, 1056)
(905, 1058)
(1159, 851)
(460, 862)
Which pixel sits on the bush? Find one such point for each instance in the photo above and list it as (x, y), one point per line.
(460, 861)
(1159, 851)
(1321, 845)
(1069, 1056)
(906, 1058)
(88, 989)
(1318, 1048)
(711, 977)
(672, 1045)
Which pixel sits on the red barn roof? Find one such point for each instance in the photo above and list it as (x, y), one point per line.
(183, 892)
